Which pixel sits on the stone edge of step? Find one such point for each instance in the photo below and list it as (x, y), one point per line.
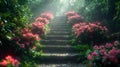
(60, 54)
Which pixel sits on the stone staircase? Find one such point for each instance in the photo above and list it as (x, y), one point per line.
(57, 51)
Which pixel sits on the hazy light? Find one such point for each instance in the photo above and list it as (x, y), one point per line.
(66, 4)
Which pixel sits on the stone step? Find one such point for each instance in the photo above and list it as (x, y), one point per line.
(60, 26)
(58, 29)
(58, 37)
(55, 42)
(59, 58)
(58, 49)
(59, 33)
(62, 65)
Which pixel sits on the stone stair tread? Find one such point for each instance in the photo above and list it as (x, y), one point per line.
(55, 40)
(59, 58)
(57, 35)
(59, 32)
(62, 65)
(60, 54)
(57, 46)
(58, 49)
(59, 26)
(60, 29)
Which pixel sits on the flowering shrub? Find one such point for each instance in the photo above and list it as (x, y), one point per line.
(73, 17)
(70, 13)
(38, 27)
(108, 54)
(40, 24)
(9, 61)
(47, 15)
(89, 32)
(42, 20)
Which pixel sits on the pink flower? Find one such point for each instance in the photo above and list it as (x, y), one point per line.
(116, 43)
(22, 46)
(15, 62)
(105, 55)
(118, 51)
(8, 57)
(38, 25)
(108, 45)
(113, 59)
(89, 57)
(70, 13)
(95, 47)
(94, 54)
(47, 15)
(43, 20)
(75, 17)
(4, 63)
(101, 46)
(8, 60)
(113, 52)
(102, 51)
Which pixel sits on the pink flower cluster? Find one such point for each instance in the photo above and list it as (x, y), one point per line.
(9, 60)
(83, 27)
(38, 27)
(73, 17)
(47, 15)
(107, 52)
(40, 22)
(27, 38)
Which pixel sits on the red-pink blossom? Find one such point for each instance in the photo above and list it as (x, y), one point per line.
(89, 57)
(105, 55)
(9, 60)
(113, 52)
(108, 45)
(4, 63)
(38, 25)
(42, 20)
(102, 51)
(70, 13)
(22, 45)
(96, 47)
(101, 46)
(113, 59)
(116, 43)
(94, 54)
(118, 51)
(47, 15)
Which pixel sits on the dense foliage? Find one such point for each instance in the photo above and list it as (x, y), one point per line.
(18, 36)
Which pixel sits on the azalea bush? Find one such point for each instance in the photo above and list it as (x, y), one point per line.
(89, 32)
(105, 55)
(40, 25)
(73, 17)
